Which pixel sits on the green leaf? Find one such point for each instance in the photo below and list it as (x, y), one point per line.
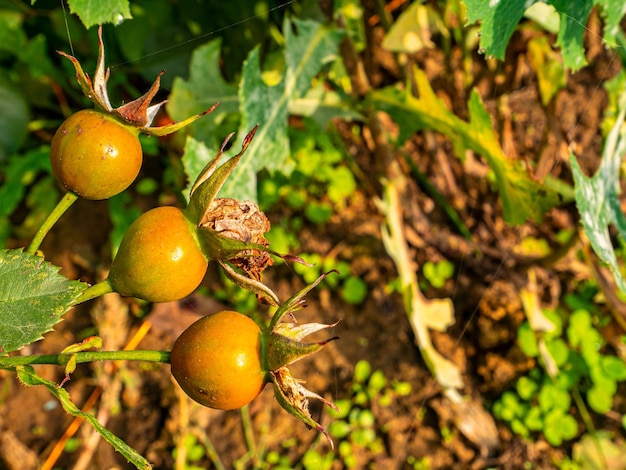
(558, 350)
(549, 67)
(318, 212)
(552, 429)
(597, 197)
(93, 12)
(354, 290)
(590, 347)
(569, 375)
(438, 273)
(579, 325)
(553, 398)
(602, 380)
(322, 105)
(599, 399)
(497, 23)
(569, 427)
(13, 119)
(574, 17)
(526, 388)
(527, 340)
(500, 18)
(12, 36)
(613, 12)
(305, 53)
(411, 32)
(29, 377)
(20, 173)
(522, 197)
(614, 367)
(195, 157)
(203, 89)
(33, 297)
(534, 419)
(341, 183)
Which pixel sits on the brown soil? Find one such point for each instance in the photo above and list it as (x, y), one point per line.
(142, 405)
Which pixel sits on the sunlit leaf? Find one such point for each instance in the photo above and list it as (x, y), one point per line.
(522, 197)
(411, 31)
(322, 105)
(574, 17)
(33, 297)
(597, 198)
(549, 67)
(498, 20)
(613, 12)
(204, 88)
(93, 12)
(309, 45)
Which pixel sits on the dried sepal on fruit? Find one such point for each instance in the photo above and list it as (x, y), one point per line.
(242, 221)
(294, 398)
(224, 360)
(138, 113)
(284, 347)
(233, 232)
(96, 153)
(149, 264)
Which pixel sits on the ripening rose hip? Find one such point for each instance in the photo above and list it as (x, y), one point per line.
(217, 361)
(94, 155)
(159, 259)
(224, 360)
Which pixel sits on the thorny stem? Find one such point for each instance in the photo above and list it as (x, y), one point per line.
(60, 209)
(86, 356)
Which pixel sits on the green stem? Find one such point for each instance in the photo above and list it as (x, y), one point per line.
(439, 199)
(586, 418)
(212, 453)
(86, 356)
(101, 288)
(246, 422)
(251, 455)
(63, 205)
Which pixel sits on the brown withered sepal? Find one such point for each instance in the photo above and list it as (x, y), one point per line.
(242, 221)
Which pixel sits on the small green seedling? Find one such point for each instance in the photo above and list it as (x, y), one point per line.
(438, 273)
(194, 452)
(352, 289)
(354, 426)
(316, 181)
(573, 364)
